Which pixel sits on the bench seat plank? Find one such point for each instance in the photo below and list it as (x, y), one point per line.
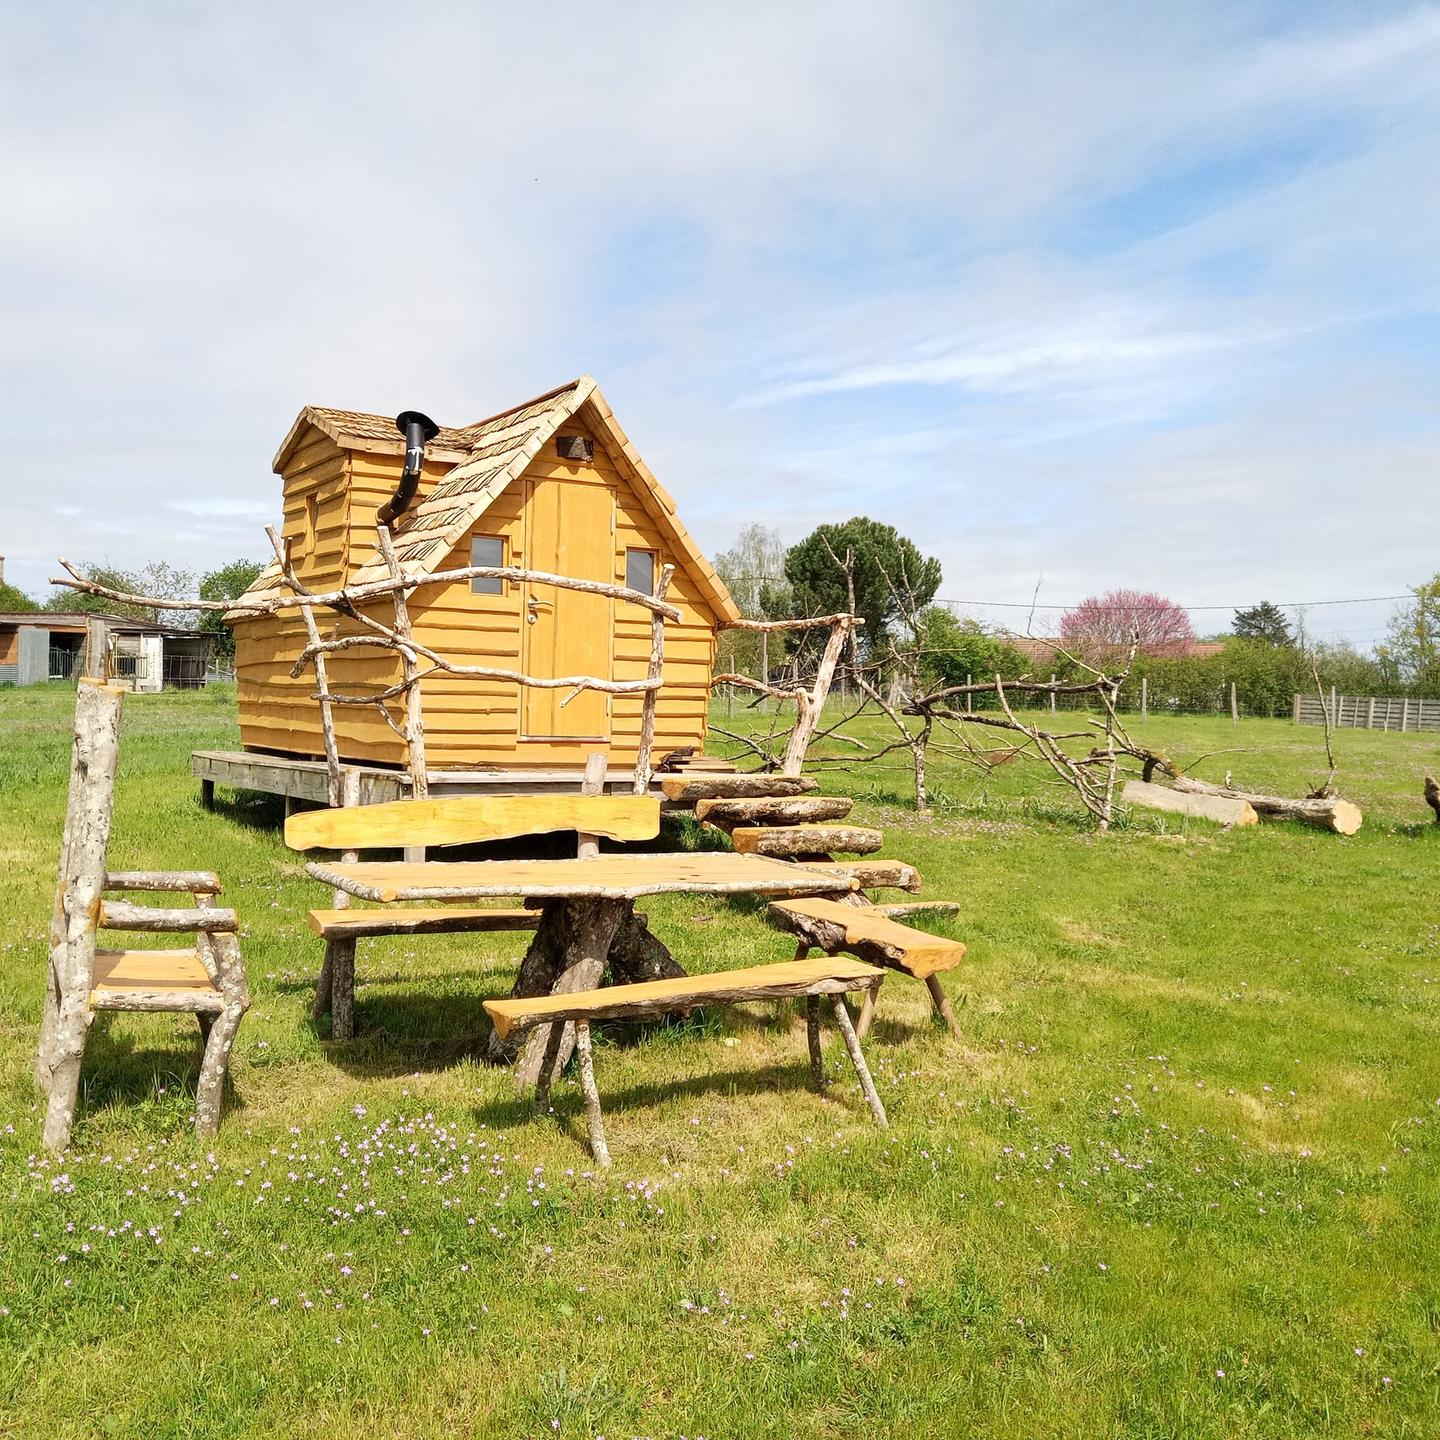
(329, 924)
(860, 929)
(469, 819)
(828, 975)
(152, 980)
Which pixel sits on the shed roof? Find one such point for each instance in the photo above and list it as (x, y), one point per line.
(490, 454)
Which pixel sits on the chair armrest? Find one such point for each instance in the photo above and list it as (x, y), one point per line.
(197, 882)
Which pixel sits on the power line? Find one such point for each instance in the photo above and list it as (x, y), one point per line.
(1057, 605)
(1280, 604)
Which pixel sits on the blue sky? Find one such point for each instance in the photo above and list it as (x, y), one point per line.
(1078, 296)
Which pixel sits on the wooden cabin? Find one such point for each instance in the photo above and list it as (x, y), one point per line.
(551, 485)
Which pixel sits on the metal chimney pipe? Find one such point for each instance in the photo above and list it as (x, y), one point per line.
(418, 431)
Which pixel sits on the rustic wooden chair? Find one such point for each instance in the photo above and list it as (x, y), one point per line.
(207, 981)
(454, 820)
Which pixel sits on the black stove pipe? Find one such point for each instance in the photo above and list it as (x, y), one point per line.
(418, 431)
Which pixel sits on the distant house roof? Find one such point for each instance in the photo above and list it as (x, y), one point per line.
(1033, 647)
(489, 455)
(126, 624)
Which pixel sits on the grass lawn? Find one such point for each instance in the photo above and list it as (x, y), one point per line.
(1182, 1179)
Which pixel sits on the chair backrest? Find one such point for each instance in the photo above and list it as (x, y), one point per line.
(469, 819)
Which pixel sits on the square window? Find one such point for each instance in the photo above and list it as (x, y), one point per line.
(640, 571)
(487, 550)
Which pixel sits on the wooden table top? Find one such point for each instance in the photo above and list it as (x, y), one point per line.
(605, 877)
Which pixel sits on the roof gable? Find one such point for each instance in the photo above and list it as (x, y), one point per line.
(491, 454)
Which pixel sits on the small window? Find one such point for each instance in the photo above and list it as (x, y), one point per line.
(487, 550)
(640, 571)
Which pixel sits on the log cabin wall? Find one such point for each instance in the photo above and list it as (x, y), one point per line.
(331, 497)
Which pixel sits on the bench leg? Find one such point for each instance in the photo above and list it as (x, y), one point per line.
(867, 1012)
(549, 1064)
(942, 1003)
(857, 1059)
(320, 1005)
(206, 1021)
(595, 1124)
(812, 1035)
(342, 989)
(207, 794)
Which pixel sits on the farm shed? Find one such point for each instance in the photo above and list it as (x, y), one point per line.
(550, 485)
(40, 645)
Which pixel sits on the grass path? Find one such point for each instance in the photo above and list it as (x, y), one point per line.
(1181, 1180)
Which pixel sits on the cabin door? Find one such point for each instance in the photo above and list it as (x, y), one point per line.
(569, 530)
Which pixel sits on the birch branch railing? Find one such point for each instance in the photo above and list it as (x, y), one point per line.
(399, 638)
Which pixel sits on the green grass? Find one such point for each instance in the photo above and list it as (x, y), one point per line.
(1181, 1180)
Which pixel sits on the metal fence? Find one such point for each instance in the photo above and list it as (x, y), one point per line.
(65, 663)
(1367, 712)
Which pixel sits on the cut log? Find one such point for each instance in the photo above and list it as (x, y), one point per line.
(1432, 796)
(1219, 808)
(872, 874)
(1326, 813)
(907, 908)
(831, 926)
(714, 787)
(773, 810)
(791, 840)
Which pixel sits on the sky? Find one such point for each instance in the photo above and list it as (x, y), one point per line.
(1077, 296)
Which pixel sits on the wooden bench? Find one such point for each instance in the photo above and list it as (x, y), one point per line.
(834, 926)
(455, 820)
(832, 976)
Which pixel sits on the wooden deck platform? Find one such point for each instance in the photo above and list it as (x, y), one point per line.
(300, 779)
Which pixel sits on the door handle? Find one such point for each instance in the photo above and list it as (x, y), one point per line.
(533, 608)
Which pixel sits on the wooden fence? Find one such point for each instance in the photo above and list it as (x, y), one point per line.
(1368, 712)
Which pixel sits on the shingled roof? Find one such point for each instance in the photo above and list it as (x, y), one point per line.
(490, 454)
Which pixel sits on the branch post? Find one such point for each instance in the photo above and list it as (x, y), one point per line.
(653, 673)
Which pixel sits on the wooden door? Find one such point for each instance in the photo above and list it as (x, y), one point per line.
(569, 530)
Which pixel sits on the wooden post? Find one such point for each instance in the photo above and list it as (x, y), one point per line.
(969, 698)
(764, 663)
(1370, 714)
(1404, 714)
(1334, 709)
(339, 900)
(593, 783)
(322, 676)
(1295, 710)
(1234, 706)
(1052, 696)
(410, 662)
(75, 921)
(1144, 698)
(655, 671)
(811, 704)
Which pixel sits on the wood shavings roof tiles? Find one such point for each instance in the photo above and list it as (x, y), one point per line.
(491, 454)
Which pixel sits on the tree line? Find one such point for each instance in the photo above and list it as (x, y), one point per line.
(869, 567)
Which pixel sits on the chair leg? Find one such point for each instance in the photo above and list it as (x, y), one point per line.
(593, 1120)
(67, 1050)
(942, 1003)
(342, 990)
(812, 1036)
(208, 1092)
(857, 1059)
(48, 1023)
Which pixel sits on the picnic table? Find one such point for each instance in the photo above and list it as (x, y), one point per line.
(584, 903)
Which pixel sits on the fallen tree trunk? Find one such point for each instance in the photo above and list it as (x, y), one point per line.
(1432, 796)
(1219, 808)
(1325, 812)
(788, 841)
